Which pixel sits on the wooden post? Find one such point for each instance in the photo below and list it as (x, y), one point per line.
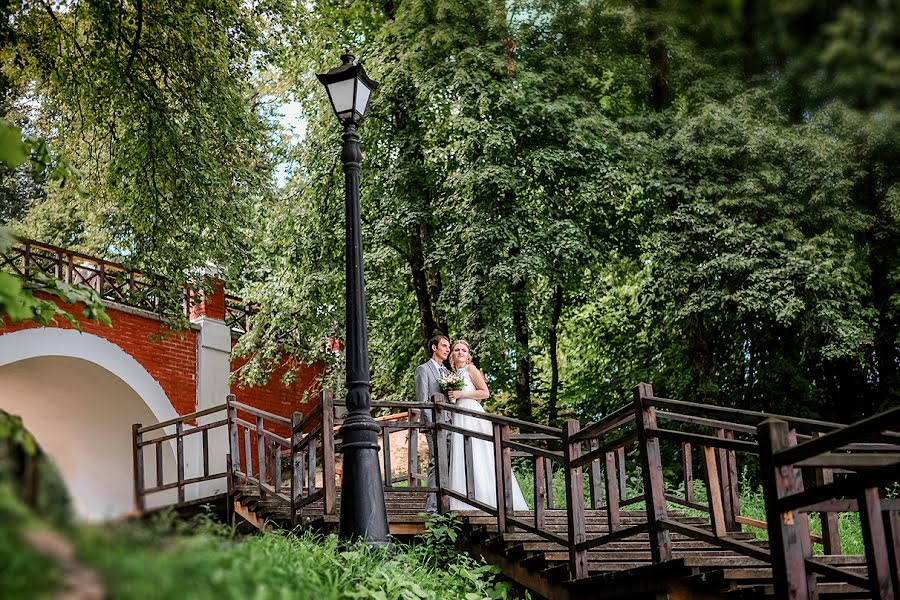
(892, 535)
(789, 554)
(248, 455)
(594, 477)
(296, 484)
(179, 445)
(578, 559)
(159, 463)
(470, 467)
(713, 492)
(654, 487)
(687, 468)
(260, 455)
(548, 474)
(612, 492)
(442, 459)
(831, 533)
(205, 445)
(539, 483)
(733, 482)
(623, 473)
(138, 462)
(233, 446)
(877, 559)
(725, 484)
(311, 466)
(498, 460)
(386, 453)
(328, 462)
(506, 470)
(412, 458)
(270, 461)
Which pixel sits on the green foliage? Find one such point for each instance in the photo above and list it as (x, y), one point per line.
(18, 303)
(13, 431)
(170, 560)
(730, 246)
(24, 573)
(161, 108)
(703, 195)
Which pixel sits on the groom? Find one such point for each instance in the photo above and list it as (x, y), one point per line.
(427, 376)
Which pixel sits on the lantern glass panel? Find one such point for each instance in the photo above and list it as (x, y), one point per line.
(341, 93)
(362, 98)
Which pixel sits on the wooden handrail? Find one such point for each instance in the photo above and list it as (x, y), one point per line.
(256, 412)
(501, 419)
(747, 417)
(611, 421)
(861, 430)
(183, 418)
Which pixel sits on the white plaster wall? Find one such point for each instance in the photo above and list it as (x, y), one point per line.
(79, 394)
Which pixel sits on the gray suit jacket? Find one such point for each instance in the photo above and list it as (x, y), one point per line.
(427, 385)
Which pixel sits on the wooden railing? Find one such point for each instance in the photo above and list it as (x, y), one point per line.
(258, 440)
(510, 438)
(183, 429)
(867, 469)
(850, 465)
(112, 281)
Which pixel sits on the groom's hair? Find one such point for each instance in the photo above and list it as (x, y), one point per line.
(433, 342)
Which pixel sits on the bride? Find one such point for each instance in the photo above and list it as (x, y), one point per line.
(474, 389)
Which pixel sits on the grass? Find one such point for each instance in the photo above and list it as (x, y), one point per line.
(23, 572)
(202, 559)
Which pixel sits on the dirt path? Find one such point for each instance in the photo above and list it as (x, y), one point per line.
(79, 582)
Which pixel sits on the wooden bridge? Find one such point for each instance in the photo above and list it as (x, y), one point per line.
(588, 533)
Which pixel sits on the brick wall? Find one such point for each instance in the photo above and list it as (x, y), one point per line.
(170, 357)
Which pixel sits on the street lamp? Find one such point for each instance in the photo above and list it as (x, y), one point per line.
(363, 514)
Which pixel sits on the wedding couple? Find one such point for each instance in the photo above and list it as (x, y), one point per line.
(474, 389)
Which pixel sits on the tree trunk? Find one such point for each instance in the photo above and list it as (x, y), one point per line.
(701, 359)
(552, 408)
(523, 359)
(426, 283)
(660, 95)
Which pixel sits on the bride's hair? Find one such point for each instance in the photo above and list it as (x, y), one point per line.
(452, 348)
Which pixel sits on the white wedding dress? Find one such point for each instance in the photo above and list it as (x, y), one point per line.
(482, 456)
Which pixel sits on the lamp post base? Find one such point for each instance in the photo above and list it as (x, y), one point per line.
(363, 512)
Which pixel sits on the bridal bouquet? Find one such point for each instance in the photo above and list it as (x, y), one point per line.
(451, 382)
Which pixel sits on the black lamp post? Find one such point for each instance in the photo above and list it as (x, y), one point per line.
(363, 513)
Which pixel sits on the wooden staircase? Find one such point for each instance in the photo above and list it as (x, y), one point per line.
(590, 540)
(619, 570)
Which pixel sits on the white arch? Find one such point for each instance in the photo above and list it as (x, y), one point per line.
(48, 341)
(78, 394)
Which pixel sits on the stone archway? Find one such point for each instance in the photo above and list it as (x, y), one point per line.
(78, 395)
